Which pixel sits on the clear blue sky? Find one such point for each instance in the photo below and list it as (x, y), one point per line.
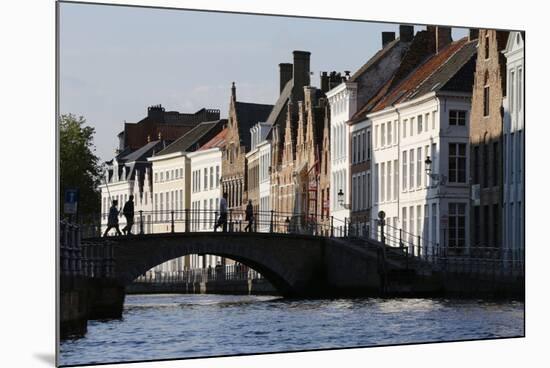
(117, 61)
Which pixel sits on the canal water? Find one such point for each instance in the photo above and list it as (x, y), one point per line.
(191, 325)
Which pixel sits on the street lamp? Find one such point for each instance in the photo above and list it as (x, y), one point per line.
(438, 178)
(341, 200)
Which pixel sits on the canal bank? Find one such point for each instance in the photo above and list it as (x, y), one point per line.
(235, 287)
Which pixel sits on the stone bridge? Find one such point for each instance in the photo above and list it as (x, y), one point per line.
(296, 265)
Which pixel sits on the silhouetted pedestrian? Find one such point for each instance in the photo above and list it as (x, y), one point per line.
(222, 220)
(112, 221)
(128, 212)
(249, 216)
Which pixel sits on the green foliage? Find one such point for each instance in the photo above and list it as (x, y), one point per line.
(78, 165)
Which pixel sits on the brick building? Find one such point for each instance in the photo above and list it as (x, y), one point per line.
(242, 116)
(169, 124)
(486, 133)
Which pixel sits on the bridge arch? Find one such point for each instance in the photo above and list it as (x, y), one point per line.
(291, 264)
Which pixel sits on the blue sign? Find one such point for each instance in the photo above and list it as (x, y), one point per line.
(71, 201)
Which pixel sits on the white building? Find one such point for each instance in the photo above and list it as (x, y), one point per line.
(344, 100)
(125, 176)
(426, 115)
(514, 145)
(343, 104)
(205, 192)
(259, 162)
(173, 183)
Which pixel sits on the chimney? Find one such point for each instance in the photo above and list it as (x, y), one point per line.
(156, 112)
(473, 34)
(233, 92)
(324, 82)
(300, 73)
(285, 74)
(406, 33)
(387, 37)
(441, 36)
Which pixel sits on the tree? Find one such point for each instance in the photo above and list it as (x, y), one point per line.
(78, 165)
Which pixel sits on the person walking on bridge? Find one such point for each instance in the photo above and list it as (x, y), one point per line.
(222, 220)
(128, 212)
(249, 216)
(112, 221)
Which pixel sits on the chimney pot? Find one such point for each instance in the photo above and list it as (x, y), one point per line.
(285, 74)
(406, 33)
(387, 37)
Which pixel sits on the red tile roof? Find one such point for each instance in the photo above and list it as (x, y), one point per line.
(415, 79)
(217, 141)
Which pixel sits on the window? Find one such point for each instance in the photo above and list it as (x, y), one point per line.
(496, 163)
(205, 178)
(368, 144)
(156, 177)
(360, 156)
(418, 221)
(404, 216)
(434, 224)
(156, 207)
(426, 154)
(457, 224)
(426, 123)
(457, 162)
(485, 171)
(477, 227)
(368, 190)
(520, 89)
(433, 119)
(425, 226)
(376, 137)
(411, 125)
(512, 87)
(486, 96)
(457, 117)
(162, 176)
(217, 176)
(411, 169)
(411, 225)
(395, 179)
(389, 133)
(382, 135)
(405, 128)
(419, 119)
(487, 46)
(496, 227)
(211, 177)
(419, 167)
(354, 149)
(476, 165)
(388, 188)
(167, 175)
(376, 183)
(382, 182)
(404, 171)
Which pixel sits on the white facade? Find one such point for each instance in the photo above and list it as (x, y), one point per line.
(343, 104)
(171, 198)
(264, 157)
(403, 136)
(514, 145)
(120, 188)
(205, 193)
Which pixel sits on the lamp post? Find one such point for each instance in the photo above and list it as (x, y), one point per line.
(341, 200)
(438, 178)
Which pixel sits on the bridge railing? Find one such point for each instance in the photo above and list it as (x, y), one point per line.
(218, 273)
(421, 253)
(83, 259)
(236, 220)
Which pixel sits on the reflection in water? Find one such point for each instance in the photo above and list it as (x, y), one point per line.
(180, 326)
